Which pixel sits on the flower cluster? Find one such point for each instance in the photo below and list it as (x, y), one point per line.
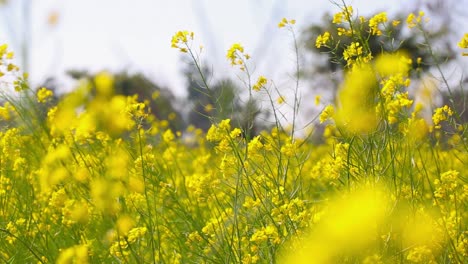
(44, 94)
(464, 43)
(181, 39)
(285, 22)
(375, 21)
(412, 20)
(322, 40)
(261, 82)
(237, 56)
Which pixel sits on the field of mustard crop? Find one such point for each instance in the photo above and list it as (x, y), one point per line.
(96, 178)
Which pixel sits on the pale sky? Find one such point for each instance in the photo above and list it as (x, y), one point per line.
(135, 35)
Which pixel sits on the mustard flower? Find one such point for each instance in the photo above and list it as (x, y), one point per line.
(236, 55)
(412, 20)
(285, 22)
(75, 254)
(376, 21)
(280, 100)
(3, 49)
(327, 113)
(43, 94)
(338, 18)
(464, 43)
(261, 82)
(421, 254)
(441, 114)
(317, 99)
(346, 13)
(322, 40)
(180, 40)
(168, 136)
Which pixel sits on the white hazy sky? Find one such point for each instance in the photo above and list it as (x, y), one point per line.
(135, 35)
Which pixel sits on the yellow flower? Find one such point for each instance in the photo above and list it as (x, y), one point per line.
(376, 21)
(168, 136)
(441, 114)
(104, 82)
(322, 40)
(280, 100)
(75, 254)
(285, 22)
(236, 55)
(338, 18)
(327, 113)
(412, 20)
(352, 50)
(464, 42)
(261, 82)
(208, 108)
(180, 40)
(356, 109)
(317, 99)
(396, 23)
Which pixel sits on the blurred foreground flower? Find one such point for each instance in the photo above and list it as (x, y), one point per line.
(349, 226)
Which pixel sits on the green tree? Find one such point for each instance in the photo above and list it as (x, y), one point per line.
(221, 101)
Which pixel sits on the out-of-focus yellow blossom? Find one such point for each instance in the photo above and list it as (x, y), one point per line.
(5, 59)
(21, 84)
(284, 22)
(345, 14)
(77, 254)
(416, 130)
(208, 108)
(327, 113)
(322, 40)
(375, 21)
(281, 100)
(104, 82)
(464, 43)
(124, 224)
(168, 136)
(396, 23)
(338, 18)
(261, 82)
(43, 94)
(412, 20)
(441, 114)
(388, 64)
(421, 254)
(53, 18)
(374, 259)
(349, 225)
(356, 109)
(6, 111)
(317, 100)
